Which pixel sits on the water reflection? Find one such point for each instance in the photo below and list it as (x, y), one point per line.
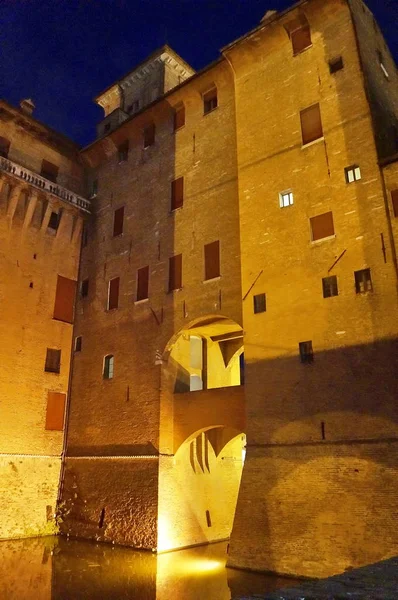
(55, 568)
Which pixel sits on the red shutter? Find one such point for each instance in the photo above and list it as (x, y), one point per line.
(175, 272)
(301, 39)
(322, 226)
(113, 295)
(64, 299)
(179, 118)
(394, 200)
(55, 411)
(118, 218)
(177, 193)
(142, 283)
(311, 124)
(212, 260)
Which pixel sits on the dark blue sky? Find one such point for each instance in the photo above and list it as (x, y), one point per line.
(61, 53)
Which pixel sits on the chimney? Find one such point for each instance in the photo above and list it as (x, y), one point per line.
(268, 15)
(27, 106)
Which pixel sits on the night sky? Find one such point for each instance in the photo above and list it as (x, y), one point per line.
(61, 53)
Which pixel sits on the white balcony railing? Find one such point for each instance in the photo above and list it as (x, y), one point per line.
(41, 183)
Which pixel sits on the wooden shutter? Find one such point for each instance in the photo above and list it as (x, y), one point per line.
(55, 411)
(142, 283)
(64, 299)
(175, 272)
(53, 360)
(311, 124)
(4, 147)
(113, 293)
(322, 226)
(149, 135)
(49, 171)
(177, 193)
(394, 200)
(179, 117)
(301, 38)
(212, 260)
(118, 219)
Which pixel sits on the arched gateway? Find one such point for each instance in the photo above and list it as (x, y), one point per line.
(201, 433)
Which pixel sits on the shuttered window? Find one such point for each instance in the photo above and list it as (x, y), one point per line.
(210, 101)
(142, 283)
(177, 193)
(322, 226)
(55, 411)
(175, 272)
(363, 281)
(311, 124)
(301, 39)
(49, 171)
(4, 147)
(118, 218)
(64, 299)
(53, 361)
(330, 287)
(149, 135)
(113, 293)
(394, 200)
(179, 117)
(212, 260)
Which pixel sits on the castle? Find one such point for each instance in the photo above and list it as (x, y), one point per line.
(200, 308)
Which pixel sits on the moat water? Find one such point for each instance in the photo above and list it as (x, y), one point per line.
(55, 568)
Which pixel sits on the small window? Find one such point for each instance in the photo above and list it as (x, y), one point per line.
(64, 299)
(118, 218)
(363, 281)
(107, 127)
(210, 101)
(49, 171)
(394, 200)
(84, 288)
(177, 193)
(134, 106)
(306, 352)
(336, 64)
(179, 117)
(4, 147)
(322, 226)
(54, 221)
(53, 361)
(352, 173)
(113, 293)
(212, 260)
(285, 199)
(94, 188)
(142, 283)
(175, 272)
(301, 39)
(55, 411)
(311, 124)
(78, 343)
(259, 303)
(108, 367)
(329, 286)
(149, 135)
(123, 151)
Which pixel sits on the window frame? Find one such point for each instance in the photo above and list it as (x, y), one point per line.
(108, 367)
(208, 103)
(52, 364)
(303, 27)
(359, 280)
(326, 237)
(146, 297)
(330, 287)
(78, 345)
(282, 195)
(206, 257)
(108, 303)
(171, 261)
(303, 112)
(352, 169)
(259, 306)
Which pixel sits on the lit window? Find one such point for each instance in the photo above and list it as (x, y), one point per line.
(363, 281)
(329, 286)
(108, 367)
(259, 303)
(352, 173)
(285, 199)
(306, 352)
(210, 101)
